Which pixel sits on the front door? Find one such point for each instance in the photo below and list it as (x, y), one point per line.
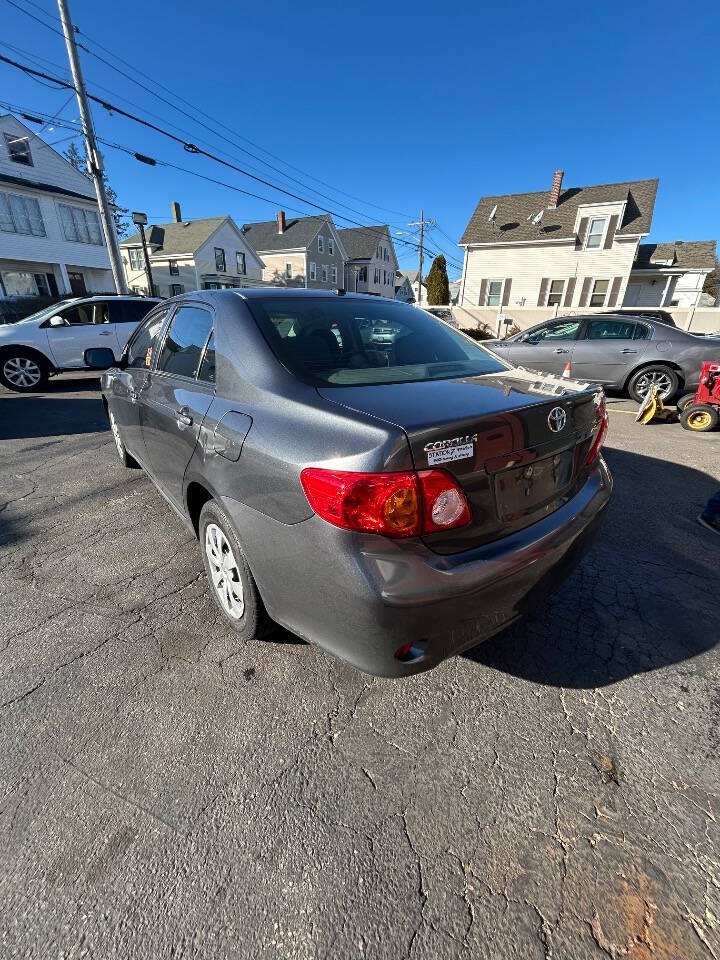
(177, 397)
(608, 349)
(84, 327)
(77, 284)
(129, 384)
(547, 349)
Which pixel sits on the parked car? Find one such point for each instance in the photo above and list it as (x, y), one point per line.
(627, 353)
(54, 339)
(393, 507)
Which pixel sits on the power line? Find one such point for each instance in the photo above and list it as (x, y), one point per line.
(173, 105)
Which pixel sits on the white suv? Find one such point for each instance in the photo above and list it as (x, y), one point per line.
(54, 339)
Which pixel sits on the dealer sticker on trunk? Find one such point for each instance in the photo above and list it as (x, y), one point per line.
(457, 448)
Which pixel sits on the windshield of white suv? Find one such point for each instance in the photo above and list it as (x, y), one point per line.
(342, 342)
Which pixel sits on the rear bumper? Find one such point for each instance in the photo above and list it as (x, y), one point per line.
(362, 597)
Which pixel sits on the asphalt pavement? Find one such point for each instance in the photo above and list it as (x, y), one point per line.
(169, 791)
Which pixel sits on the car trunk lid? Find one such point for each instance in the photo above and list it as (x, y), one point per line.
(516, 442)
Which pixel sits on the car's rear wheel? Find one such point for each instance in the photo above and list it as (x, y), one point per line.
(658, 375)
(699, 417)
(23, 370)
(232, 583)
(125, 458)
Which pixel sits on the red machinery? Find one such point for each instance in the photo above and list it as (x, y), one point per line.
(702, 412)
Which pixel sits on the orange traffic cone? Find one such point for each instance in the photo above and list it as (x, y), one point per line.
(567, 372)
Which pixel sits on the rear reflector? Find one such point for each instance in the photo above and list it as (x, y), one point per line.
(603, 420)
(403, 504)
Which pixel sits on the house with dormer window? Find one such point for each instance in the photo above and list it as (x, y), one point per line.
(567, 247)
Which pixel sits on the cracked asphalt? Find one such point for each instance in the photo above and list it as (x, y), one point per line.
(168, 791)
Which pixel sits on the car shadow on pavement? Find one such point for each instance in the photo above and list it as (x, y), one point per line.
(24, 416)
(643, 598)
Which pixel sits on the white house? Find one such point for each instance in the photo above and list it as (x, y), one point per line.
(302, 252)
(207, 254)
(372, 264)
(670, 274)
(403, 288)
(51, 241)
(572, 247)
(418, 288)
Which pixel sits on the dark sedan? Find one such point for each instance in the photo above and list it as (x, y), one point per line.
(395, 500)
(625, 352)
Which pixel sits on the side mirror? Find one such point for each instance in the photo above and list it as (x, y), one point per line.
(56, 321)
(99, 358)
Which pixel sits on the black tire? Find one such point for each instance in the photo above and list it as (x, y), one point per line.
(699, 417)
(684, 400)
(642, 379)
(125, 458)
(17, 364)
(254, 622)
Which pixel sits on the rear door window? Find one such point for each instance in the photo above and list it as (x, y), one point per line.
(609, 330)
(129, 311)
(185, 341)
(338, 341)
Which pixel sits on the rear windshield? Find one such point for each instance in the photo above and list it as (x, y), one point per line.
(349, 342)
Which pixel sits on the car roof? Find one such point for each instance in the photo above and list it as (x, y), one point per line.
(282, 293)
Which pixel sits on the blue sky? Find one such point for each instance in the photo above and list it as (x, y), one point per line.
(406, 105)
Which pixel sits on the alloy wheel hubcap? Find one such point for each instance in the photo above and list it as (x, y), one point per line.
(22, 372)
(656, 378)
(224, 571)
(119, 445)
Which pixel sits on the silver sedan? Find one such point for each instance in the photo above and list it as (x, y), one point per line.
(624, 352)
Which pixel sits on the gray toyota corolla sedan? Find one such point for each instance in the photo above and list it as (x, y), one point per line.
(621, 351)
(393, 500)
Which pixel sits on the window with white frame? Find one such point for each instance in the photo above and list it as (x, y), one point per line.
(136, 258)
(379, 252)
(331, 246)
(557, 288)
(324, 273)
(386, 253)
(176, 289)
(20, 215)
(80, 226)
(313, 271)
(288, 271)
(321, 243)
(599, 293)
(220, 260)
(18, 148)
(376, 278)
(494, 293)
(240, 263)
(174, 268)
(595, 233)
(333, 275)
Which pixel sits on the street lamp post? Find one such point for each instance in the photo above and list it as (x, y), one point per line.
(140, 219)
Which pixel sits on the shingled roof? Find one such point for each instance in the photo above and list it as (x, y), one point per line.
(298, 233)
(361, 242)
(173, 239)
(516, 210)
(693, 255)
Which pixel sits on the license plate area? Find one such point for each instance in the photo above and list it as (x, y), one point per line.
(523, 489)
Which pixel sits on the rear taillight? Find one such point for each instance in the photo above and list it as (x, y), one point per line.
(403, 504)
(601, 419)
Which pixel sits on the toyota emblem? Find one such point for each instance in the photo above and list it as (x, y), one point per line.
(557, 419)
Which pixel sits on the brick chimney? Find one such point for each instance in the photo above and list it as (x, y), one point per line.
(556, 188)
(281, 221)
(175, 211)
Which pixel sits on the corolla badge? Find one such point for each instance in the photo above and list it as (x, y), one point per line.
(557, 418)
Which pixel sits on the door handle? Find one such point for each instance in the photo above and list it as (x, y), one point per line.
(104, 333)
(628, 351)
(132, 396)
(183, 417)
(561, 350)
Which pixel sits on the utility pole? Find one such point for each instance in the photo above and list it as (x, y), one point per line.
(140, 219)
(94, 159)
(422, 223)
